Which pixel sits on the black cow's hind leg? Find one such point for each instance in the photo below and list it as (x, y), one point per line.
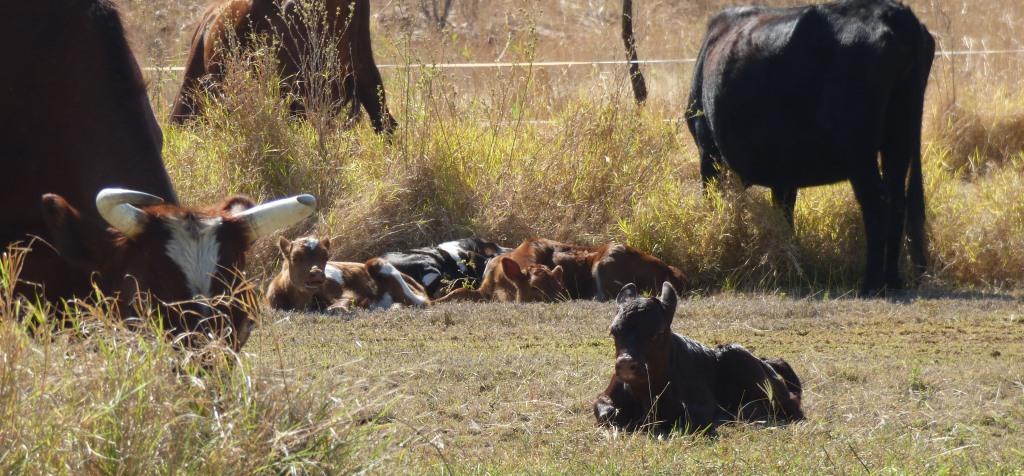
(785, 199)
(894, 171)
(867, 187)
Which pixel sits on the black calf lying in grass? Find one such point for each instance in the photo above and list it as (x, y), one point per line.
(664, 381)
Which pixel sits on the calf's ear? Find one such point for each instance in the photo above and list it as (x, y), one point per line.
(558, 272)
(626, 294)
(512, 269)
(668, 299)
(326, 242)
(85, 244)
(285, 245)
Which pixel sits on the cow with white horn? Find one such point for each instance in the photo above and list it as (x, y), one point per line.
(187, 262)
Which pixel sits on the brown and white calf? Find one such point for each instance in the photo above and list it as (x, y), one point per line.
(309, 282)
(186, 262)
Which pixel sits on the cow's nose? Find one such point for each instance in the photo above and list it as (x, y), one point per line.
(627, 364)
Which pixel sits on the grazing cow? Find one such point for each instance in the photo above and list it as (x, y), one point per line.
(458, 263)
(805, 96)
(245, 20)
(663, 380)
(309, 282)
(185, 262)
(72, 133)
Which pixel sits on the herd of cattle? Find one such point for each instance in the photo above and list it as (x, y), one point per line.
(784, 98)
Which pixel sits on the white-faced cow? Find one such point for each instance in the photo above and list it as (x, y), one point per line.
(804, 96)
(187, 263)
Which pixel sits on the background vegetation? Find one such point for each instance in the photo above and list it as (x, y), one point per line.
(928, 383)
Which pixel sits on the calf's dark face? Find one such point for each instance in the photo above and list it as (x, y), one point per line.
(306, 261)
(642, 331)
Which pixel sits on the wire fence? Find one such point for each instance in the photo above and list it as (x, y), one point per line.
(555, 64)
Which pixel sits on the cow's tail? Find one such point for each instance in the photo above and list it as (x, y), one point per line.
(629, 40)
(916, 232)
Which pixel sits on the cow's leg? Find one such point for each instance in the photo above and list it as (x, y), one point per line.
(867, 187)
(895, 165)
(710, 170)
(785, 199)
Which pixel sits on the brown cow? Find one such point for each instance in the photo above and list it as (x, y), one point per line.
(664, 381)
(186, 262)
(246, 20)
(505, 280)
(74, 119)
(309, 282)
(598, 272)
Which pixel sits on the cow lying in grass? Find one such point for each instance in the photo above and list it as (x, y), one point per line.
(582, 272)
(309, 282)
(506, 281)
(449, 264)
(663, 380)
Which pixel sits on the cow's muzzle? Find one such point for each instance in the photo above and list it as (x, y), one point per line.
(629, 368)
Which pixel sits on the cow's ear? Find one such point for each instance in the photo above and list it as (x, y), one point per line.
(236, 204)
(326, 242)
(285, 245)
(668, 299)
(512, 269)
(558, 272)
(83, 243)
(626, 294)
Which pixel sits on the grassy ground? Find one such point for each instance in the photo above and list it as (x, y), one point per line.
(921, 385)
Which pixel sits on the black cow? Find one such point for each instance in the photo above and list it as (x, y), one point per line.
(663, 380)
(455, 262)
(804, 96)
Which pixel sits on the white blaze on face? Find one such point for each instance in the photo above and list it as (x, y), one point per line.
(193, 246)
(411, 296)
(334, 274)
(453, 249)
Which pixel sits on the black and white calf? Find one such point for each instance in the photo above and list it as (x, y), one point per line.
(449, 264)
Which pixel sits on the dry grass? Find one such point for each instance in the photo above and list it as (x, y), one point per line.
(930, 383)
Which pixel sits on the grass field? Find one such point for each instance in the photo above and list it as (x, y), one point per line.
(927, 382)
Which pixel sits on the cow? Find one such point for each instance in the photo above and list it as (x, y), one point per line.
(598, 272)
(308, 281)
(665, 381)
(72, 133)
(245, 21)
(505, 280)
(457, 263)
(804, 96)
(184, 263)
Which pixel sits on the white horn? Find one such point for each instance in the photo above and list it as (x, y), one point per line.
(272, 216)
(117, 207)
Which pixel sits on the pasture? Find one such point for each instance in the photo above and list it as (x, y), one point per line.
(928, 381)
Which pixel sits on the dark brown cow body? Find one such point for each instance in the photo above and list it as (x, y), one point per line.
(347, 20)
(309, 282)
(664, 381)
(74, 119)
(505, 280)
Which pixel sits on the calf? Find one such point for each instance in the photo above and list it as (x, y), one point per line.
(508, 281)
(309, 282)
(665, 381)
(458, 263)
(600, 273)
